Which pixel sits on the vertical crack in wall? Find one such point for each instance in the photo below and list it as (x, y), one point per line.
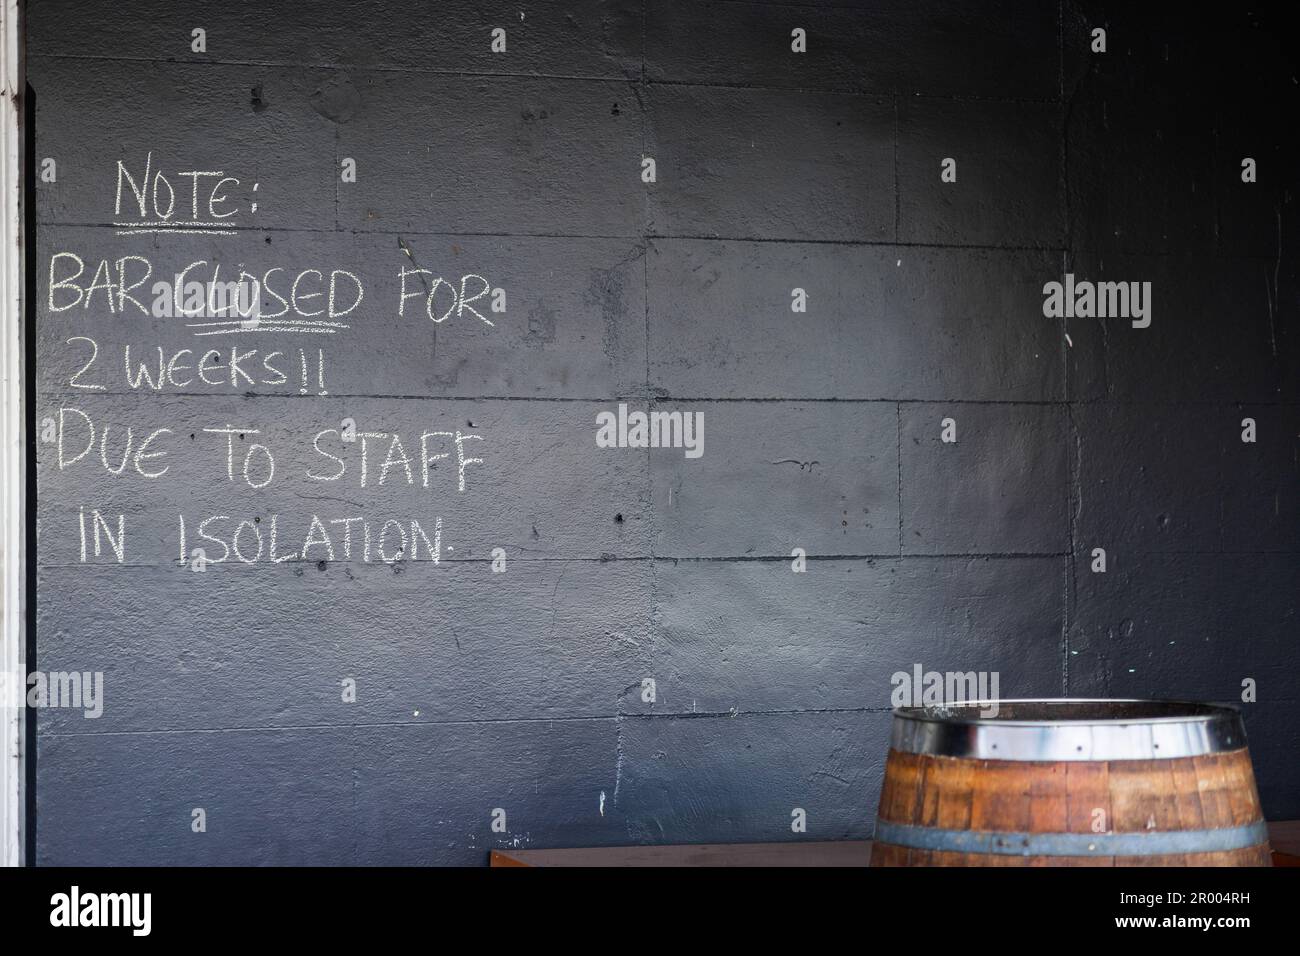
(1275, 293)
(898, 197)
(898, 420)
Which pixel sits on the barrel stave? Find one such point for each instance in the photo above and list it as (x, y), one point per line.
(1213, 791)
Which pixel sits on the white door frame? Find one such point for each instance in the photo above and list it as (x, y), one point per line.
(13, 98)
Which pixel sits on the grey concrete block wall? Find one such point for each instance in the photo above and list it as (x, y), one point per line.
(288, 150)
(813, 165)
(883, 322)
(776, 173)
(512, 155)
(1013, 152)
(725, 628)
(995, 489)
(1225, 337)
(830, 482)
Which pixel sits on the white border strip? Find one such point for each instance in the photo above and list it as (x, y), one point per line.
(12, 651)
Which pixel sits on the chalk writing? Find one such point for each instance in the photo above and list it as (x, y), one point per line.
(209, 298)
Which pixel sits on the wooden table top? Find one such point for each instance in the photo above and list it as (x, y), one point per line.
(1284, 837)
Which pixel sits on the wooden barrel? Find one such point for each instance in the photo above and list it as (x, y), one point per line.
(1069, 783)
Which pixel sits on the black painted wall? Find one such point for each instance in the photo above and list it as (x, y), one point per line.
(523, 690)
